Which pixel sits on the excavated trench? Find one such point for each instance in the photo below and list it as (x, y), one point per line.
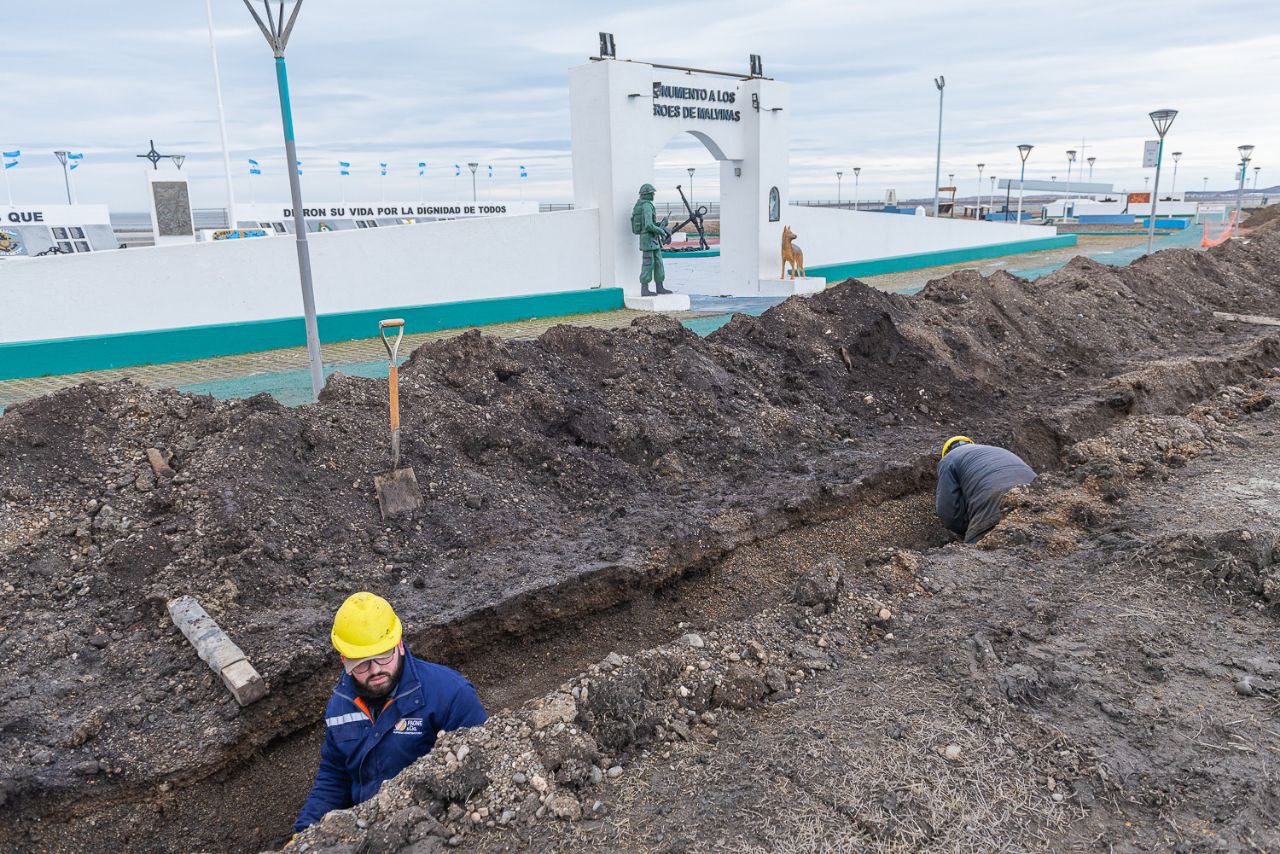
(587, 492)
(247, 801)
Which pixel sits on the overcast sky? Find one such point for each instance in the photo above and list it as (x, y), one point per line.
(411, 80)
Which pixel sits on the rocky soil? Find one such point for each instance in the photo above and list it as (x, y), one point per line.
(1102, 675)
(563, 476)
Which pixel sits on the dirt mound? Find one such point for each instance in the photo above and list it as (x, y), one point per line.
(560, 474)
(1262, 216)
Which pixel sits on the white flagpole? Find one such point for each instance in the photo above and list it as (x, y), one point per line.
(7, 186)
(222, 119)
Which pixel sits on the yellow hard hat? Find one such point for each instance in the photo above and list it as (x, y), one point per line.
(947, 445)
(364, 626)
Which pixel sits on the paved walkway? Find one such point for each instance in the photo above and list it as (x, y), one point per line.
(286, 370)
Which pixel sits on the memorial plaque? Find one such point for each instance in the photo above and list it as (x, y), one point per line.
(173, 208)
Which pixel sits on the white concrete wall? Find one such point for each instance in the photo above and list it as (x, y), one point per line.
(835, 236)
(1087, 207)
(234, 281)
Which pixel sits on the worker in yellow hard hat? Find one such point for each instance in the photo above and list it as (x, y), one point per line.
(385, 711)
(972, 478)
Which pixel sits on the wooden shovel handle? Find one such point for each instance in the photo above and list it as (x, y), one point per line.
(393, 384)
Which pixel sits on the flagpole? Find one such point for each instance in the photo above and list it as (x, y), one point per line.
(222, 119)
(8, 188)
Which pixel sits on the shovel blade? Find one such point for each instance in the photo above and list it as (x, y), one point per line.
(398, 492)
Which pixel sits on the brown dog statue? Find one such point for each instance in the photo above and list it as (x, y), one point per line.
(792, 253)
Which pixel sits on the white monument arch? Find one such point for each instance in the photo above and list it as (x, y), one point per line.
(624, 113)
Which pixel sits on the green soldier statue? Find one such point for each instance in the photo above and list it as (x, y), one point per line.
(652, 236)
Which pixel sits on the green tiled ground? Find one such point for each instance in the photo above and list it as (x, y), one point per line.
(248, 365)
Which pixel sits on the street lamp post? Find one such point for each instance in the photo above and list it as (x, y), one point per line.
(1246, 152)
(473, 167)
(66, 179)
(1161, 119)
(277, 33)
(978, 212)
(857, 170)
(690, 170)
(1024, 151)
(1091, 161)
(1173, 185)
(1205, 187)
(1071, 159)
(941, 83)
(1256, 170)
(951, 182)
(991, 196)
(839, 176)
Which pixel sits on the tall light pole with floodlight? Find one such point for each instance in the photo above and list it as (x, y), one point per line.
(1256, 170)
(277, 35)
(991, 196)
(691, 170)
(1071, 159)
(473, 166)
(62, 158)
(1173, 186)
(1024, 151)
(1091, 161)
(941, 83)
(978, 213)
(1161, 119)
(839, 176)
(1246, 152)
(857, 170)
(222, 118)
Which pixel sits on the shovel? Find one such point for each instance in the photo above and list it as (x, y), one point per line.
(398, 490)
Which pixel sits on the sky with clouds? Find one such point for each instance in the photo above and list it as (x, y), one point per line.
(411, 80)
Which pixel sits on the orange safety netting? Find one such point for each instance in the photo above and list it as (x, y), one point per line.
(1220, 233)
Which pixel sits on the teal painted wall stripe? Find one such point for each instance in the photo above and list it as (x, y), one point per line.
(98, 352)
(898, 263)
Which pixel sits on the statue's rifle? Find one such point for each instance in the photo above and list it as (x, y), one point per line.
(695, 218)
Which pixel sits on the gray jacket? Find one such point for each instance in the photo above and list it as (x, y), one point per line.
(971, 480)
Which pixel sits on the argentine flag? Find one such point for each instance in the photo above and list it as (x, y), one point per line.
(490, 165)
(344, 168)
(253, 167)
(422, 169)
(299, 162)
(11, 158)
(383, 167)
(457, 170)
(77, 158)
(524, 173)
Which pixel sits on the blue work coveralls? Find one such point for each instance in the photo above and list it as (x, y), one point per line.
(359, 752)
(971, 481)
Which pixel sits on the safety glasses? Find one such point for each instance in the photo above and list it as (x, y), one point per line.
(360, 666)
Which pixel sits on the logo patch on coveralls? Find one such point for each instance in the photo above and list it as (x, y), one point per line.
(408, 726)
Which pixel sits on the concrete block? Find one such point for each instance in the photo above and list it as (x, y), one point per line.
(216, 649)
(804, 287)
(661, 302)
(243, 682)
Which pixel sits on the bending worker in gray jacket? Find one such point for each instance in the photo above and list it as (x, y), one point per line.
(971, 480)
